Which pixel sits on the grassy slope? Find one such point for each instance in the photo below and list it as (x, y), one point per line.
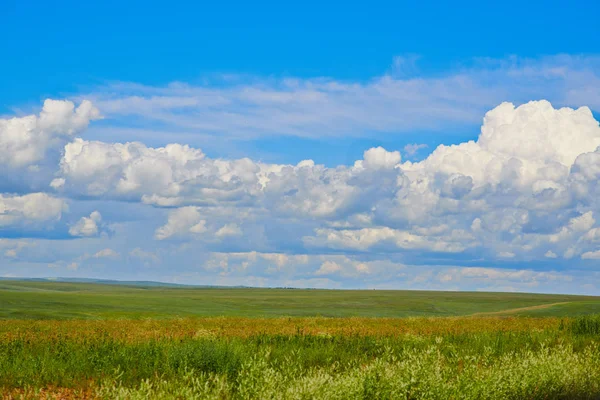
(33, 300)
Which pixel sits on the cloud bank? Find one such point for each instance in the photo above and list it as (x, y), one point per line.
(521, 190)
(515, 209)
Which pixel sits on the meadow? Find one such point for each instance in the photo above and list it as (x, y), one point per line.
(67, 340)
(59, 300)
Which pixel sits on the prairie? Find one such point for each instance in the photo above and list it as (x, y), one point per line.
(57, 300)
(72, 340)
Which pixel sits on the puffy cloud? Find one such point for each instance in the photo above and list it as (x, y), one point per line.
(180, 175)
(87, 226)
(380, 158)
(165, 176)
(367, 238)
(328, 268)
(181, 221)
(526, 187)
(32, 208)
(24, 141)
(519, 146)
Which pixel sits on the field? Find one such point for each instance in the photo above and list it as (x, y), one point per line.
(54, 300)
(72, 340)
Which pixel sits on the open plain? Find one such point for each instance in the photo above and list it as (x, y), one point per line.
(84, 340)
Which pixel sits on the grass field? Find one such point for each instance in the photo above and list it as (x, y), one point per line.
(71, 340)
(50, 300)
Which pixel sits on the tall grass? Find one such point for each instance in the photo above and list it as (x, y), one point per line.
(534, 359)
(586, 325)
(557, 373)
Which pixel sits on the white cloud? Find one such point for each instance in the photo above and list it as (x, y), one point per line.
(87, 226)
(366, 238)
(527, 145)
(30, 209)
(181, 221)
(380, 158)
(328, 268)
(528, 183)
(166, 176)
(24, 141)
(527, 189)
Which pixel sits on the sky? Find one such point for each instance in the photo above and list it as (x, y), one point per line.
(439, 145)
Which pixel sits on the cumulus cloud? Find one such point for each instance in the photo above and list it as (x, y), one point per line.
(165, 176)
(32, 208)
(181, 221)
(526, 187)
(380, 158)
(328, 268)
(366, 238)
(24, 141)
(533, 144)
(87, 226)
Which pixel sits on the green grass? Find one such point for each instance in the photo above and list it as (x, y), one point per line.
(139, 349)
(562, 362)
(59, 300)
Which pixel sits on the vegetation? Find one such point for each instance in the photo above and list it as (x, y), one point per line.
(496, 354)
(58, 300)
(482, 357)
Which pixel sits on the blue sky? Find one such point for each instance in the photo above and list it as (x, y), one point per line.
(54, 51)
(276, 144)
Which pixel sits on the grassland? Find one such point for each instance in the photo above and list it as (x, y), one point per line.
(54, 300)
(71, 340)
